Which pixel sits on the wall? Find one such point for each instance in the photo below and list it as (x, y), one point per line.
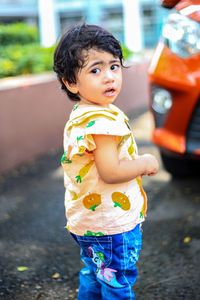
(33, 112)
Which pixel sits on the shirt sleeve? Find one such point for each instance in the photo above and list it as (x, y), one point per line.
(81, 136)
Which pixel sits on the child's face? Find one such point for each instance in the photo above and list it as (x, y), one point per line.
(100, 80)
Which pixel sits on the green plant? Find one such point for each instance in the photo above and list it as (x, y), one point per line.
(20, 52)
(18, 33)
(17, 60)
(127, 53)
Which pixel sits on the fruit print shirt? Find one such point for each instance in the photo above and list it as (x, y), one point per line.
(93, 207)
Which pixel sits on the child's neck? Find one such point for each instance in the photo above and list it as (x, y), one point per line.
(84, 101)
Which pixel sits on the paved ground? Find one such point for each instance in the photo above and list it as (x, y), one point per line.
(32, 234)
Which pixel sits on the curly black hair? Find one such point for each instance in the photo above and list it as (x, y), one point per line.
(69, 57)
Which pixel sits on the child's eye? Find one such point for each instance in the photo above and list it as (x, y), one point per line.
(95, 71)
(115, 67)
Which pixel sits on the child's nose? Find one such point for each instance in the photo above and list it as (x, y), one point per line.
(108, 76)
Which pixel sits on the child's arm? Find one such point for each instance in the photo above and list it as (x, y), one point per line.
(113, 170)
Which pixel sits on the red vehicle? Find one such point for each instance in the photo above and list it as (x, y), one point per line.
(174, 76)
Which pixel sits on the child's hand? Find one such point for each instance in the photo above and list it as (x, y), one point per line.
(150, 164)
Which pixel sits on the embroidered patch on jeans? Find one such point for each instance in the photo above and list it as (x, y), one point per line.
(107, 275)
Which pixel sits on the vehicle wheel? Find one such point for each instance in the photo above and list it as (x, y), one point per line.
(180, 166)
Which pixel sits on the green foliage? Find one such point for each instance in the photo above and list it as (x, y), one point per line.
(18, 60)
(21, 53)
(127, 53)
(18, 33)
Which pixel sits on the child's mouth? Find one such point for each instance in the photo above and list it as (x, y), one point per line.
(110, 92)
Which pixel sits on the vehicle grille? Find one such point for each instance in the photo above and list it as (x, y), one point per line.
(193, 134)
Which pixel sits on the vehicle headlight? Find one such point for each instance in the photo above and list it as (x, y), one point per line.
(182, 35)
(161, 100)
(161, 104)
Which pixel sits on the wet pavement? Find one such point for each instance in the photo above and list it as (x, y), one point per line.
(39, 260)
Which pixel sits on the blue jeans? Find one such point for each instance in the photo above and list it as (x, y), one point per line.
(110, 265)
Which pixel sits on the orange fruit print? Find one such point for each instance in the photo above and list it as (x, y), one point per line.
(121, 200)
(91, 201)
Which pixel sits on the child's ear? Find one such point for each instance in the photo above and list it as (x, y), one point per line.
(72, 87)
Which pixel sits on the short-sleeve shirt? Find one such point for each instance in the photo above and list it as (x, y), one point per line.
(94, 207)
